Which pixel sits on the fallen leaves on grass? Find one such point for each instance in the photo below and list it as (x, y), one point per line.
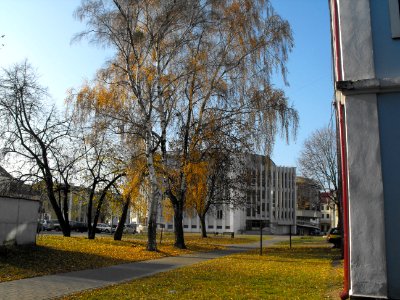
(58, 254)
(303, 272)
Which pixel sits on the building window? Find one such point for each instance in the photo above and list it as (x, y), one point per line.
(258, 209)
(219, 214)
(219, 227)
(394, 11)
(322, 216)
(263, 206)
(170, 226)
(248, 213)
(210, 226)
(194, 226)
(327, 216)
(185, 226)
(227, 227)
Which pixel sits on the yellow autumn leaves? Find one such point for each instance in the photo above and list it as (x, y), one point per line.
(302, 272)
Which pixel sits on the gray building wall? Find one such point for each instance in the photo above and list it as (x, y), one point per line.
(389, 127)
(18, 220)
(387, 65)
(366, 198)
(368, 60)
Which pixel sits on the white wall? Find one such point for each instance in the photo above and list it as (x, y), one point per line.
(18, 220)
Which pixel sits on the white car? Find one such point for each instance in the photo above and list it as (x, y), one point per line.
(140, 228)
(102, 227)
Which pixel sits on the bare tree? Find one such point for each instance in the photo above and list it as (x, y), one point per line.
(31, 133)
(318, 161)
(307, 194)
(103, 167)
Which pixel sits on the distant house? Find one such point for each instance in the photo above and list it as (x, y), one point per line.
(19, 211)
(329, 213)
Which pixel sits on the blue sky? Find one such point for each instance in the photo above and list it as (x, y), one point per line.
(41, 31)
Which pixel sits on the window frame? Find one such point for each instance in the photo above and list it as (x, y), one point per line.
(394, 12)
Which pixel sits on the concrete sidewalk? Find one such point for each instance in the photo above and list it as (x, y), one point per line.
(52, 286)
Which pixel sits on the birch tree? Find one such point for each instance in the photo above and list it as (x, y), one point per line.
(181, 66)
(227, 94)
(147, 36)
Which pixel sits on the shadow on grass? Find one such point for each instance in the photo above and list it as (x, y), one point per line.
(18, 262)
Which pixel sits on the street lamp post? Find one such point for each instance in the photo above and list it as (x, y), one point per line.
(261, 228)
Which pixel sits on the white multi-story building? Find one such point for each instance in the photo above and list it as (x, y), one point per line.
(270, 199)
(329, 213)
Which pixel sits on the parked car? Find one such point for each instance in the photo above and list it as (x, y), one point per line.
(130, 228)
(49, 225)
(40, 226)
(334, 236)
(102, 227)
(315, 232)
(141, 229)
(78, 226)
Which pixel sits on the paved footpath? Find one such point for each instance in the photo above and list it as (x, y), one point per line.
(52, 286)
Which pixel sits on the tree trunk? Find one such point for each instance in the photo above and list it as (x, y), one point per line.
(93, 227)
(178, 222)
(153, 205)
(203, 226)
(66, 208)
(152, 218)
(91, 233)
(120, 228)
(152, 234)
(66, 229)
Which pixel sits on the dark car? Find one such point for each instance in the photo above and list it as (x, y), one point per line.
(78, 226)
(315, 232)
(51, 225)
(334, 236)
(40, 226)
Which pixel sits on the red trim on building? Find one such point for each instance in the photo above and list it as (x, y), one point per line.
(343, 150)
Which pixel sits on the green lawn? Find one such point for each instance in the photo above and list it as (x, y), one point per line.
(310, 270)
(57, 254)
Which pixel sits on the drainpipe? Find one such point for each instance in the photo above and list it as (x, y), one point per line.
(343, 151)
(345, 221)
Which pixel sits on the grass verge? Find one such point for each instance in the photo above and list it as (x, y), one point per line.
(310, 270)
(57, 254)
